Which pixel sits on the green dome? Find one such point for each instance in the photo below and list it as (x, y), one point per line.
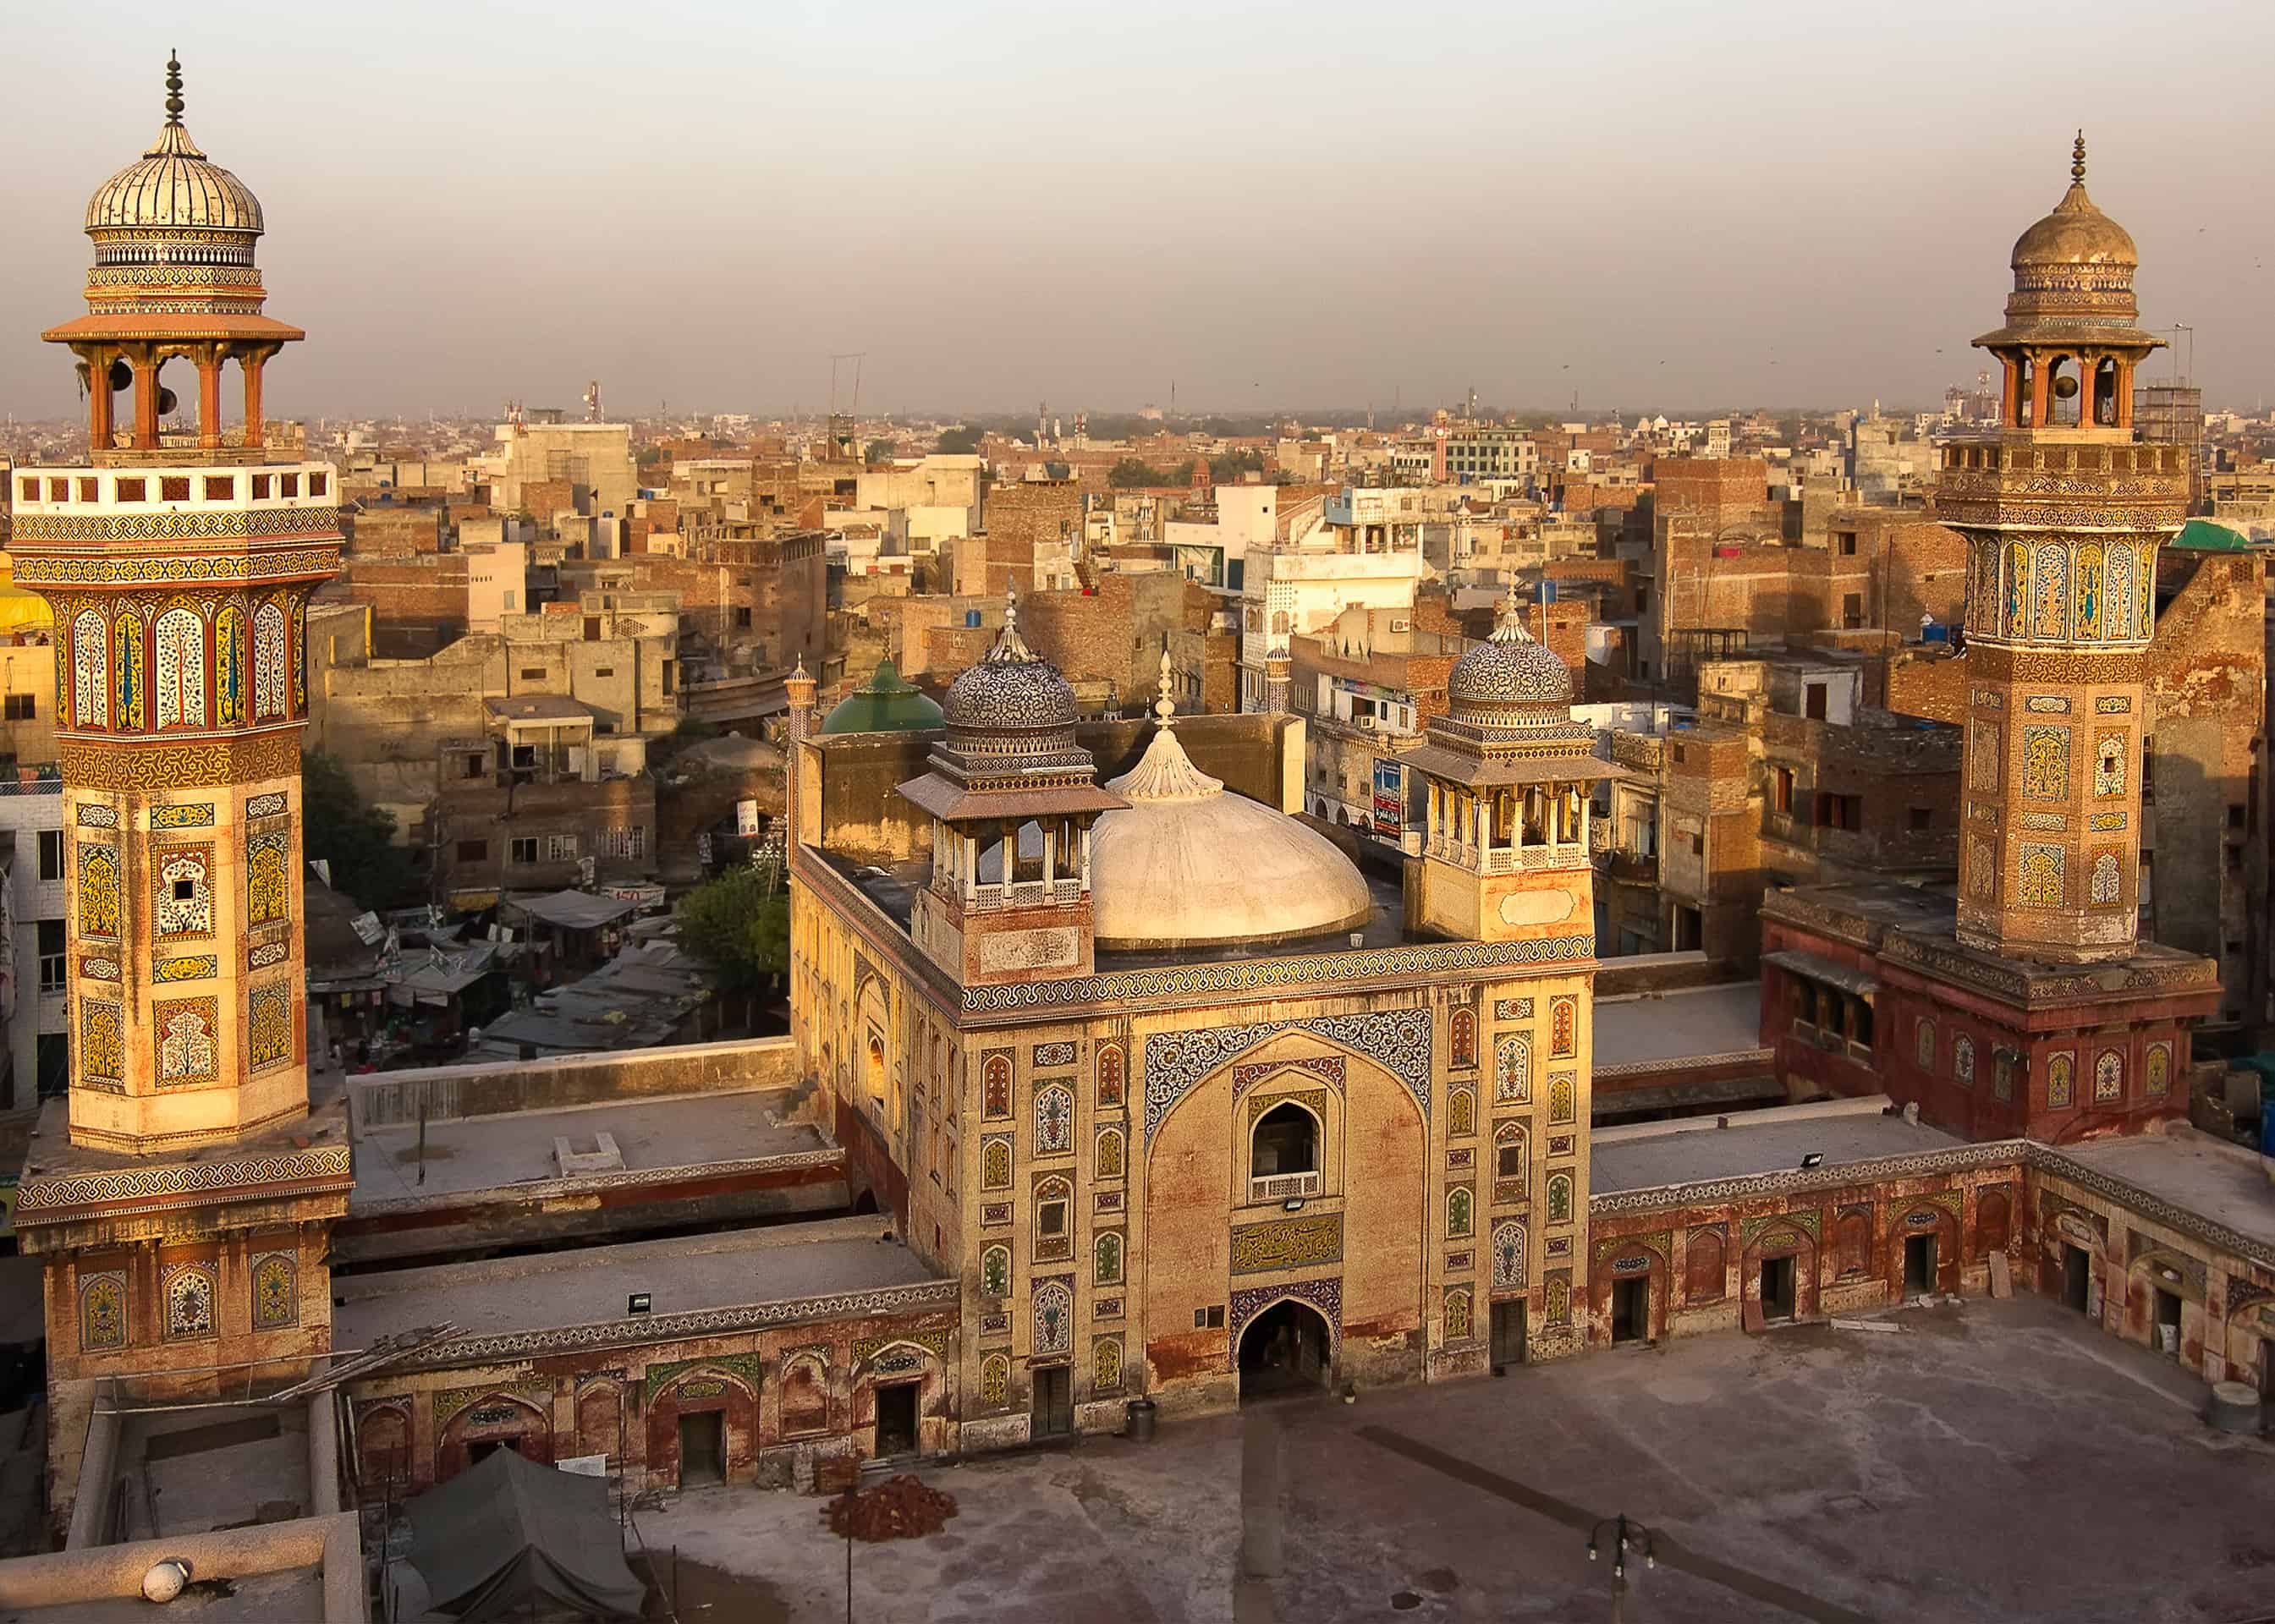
(2203, 536)
(884, 704)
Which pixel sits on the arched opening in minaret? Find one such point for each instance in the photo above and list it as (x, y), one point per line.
(1285, 1349)
(2107, 380)
(172, 380)
(2025, 383)
(2063, 404)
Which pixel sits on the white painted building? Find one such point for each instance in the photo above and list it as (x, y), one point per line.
(1362, 547)
(32, 995)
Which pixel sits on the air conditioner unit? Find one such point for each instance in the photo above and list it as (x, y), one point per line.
(1366, 723)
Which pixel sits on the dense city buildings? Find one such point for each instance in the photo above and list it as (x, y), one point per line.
(717, 950)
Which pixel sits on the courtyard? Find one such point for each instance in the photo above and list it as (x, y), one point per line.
(1984, 1460)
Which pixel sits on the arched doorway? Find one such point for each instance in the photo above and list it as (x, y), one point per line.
(1285, 1349)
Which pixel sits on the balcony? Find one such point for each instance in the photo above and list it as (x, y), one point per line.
(1284, 1187)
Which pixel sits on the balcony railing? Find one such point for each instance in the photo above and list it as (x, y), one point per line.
(1284, 1186)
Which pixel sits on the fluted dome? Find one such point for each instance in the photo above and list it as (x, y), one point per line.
(174, 187)
(1189, 863)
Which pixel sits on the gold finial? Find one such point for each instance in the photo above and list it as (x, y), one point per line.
(173, 89)
(2077, 160)
(1508, 624)
(1165, 708)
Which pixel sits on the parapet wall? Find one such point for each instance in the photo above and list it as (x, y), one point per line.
(393, 1098)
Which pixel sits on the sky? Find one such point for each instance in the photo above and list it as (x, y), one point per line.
(1658, 207)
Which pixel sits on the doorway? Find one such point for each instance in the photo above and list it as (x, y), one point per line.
(2168, 1323)
(2077, 1278)
(1508, 1332)
(702, 1449)
(1919, 1264)
(1631, 1309)
(1778, 1277)
(1283, 1350)
(1053, 1416)
(897, 1418)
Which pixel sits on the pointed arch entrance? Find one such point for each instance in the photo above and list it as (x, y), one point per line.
(1286, 1349)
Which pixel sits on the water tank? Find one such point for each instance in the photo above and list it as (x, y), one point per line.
(1547, 590)
(972, 619)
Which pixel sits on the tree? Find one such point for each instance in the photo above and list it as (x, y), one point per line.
(879, 453)
(1132, 471)
(1227, 470)
(961, 441)
(739, 925)
(357, 842)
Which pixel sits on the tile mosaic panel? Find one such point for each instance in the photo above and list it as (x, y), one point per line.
(1300, 1242)
(268, 1025)
(1175, 1062)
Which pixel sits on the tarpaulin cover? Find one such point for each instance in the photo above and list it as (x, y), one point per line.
(508, 1531)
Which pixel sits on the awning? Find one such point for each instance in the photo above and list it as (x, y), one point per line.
(1506, 772)
(572, 910)
(1816, 967)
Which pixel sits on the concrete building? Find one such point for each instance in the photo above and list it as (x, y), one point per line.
(1362, 546)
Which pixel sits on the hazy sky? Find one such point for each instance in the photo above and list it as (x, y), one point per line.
(1662, 206)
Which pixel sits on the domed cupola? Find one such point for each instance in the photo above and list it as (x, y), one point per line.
(1012, 796)
(1509, 677)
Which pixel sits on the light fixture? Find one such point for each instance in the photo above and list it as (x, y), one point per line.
(1293, 1204)
(1815, 1158)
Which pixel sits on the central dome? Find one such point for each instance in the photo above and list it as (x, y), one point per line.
(1189, 863)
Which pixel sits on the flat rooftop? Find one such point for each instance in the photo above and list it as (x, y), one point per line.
(1655, 1155)
(259, 1599)
(1665, 1026)
(590, 1285)
(490, 1152)
(2210, 1177)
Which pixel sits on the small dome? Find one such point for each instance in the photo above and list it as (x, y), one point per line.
(1009, 690)
(1510, 669)
(1189, 863)
(887, 703)
(2077, 233)
(174, 187)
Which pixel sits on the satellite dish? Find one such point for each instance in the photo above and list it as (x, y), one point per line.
(121, 374)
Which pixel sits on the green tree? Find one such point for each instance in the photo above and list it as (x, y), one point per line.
(1132, 471)
(739, 925)
(1226, 469)
(357, 842)
(879, 453)
(961, 441)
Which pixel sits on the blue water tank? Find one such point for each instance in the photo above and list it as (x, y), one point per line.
(1547, 590)
(972, 619)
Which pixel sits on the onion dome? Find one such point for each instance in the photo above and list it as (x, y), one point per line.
(2076, 233)
(1189, 864)
(173, 186)
(887, 703)
(1508, 670)
(1011, 701)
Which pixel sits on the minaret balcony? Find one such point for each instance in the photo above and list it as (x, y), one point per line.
(1023, 893)
(168, 487)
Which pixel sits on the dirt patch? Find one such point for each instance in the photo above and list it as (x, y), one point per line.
(902, 1507)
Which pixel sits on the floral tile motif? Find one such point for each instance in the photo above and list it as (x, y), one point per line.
(268, 1025)
(182, 891)
(187, 1047)
(1177, 1062)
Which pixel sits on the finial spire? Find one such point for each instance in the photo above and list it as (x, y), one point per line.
(2077, 160)
(173, 89)
(1009, 646)
(1165, 708)
(1508, 624)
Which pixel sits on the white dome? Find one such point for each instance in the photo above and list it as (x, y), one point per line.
(1187, 864)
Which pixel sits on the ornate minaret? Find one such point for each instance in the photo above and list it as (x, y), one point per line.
(182, 1204)
(2063, 510)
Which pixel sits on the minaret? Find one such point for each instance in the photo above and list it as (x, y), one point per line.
(181, 1201)
(2063, 510)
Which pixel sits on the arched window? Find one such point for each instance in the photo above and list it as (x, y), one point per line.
(1460, 1113)
(1105, 1366)
(1509, 1253)
(275, 1292)
(1462, 1038)
(1461, 1208)
(1106, 1253)
(804, 1396)
(1285, 1139)
(995, 1165)
(1457, 1315)
(1852, 1243)
(2060, 1080)
(1993, 1221)
(995, 1085)
(1508, 1154)
(1924, 1046)
(1559, 1199)
(90, 671)
(1963, 1060)
(1054, 1220)
(995, 1272)
(994, 1380)
(1561, 1105)
(873, 1072)
(1109, 1074)
(1513, 1069)
(2108, 1076)
(181, 669)
(1107, 1163)
(1054, 1319)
